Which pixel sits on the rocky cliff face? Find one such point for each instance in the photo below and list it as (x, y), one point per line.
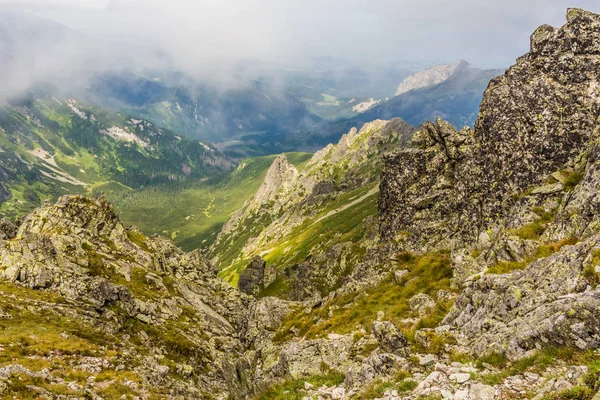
(509, 196)
(536, 120)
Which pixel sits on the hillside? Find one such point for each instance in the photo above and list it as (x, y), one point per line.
(400, 263)
(300, 213)
(192, 213)
(54, 146)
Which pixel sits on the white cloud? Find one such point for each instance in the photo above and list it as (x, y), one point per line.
(201, 31)
(97, 4)
(208, 37)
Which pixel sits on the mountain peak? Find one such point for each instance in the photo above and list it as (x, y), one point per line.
(280, 174)
(429, 77)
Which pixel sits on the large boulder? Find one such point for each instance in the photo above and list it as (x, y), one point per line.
(252, 279)
(389, 337)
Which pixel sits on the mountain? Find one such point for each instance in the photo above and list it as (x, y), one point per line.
(237, 118)
(399, 263)
(54, 146)
(455, 98)
(429, 77)
(300, 214)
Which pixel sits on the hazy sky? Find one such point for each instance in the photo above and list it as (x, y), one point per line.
(215, 32)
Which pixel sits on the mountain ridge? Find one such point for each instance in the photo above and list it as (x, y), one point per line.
(472, 271)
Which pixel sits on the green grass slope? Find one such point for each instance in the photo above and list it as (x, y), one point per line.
(192, 213)
(49, 147)
(326, 204)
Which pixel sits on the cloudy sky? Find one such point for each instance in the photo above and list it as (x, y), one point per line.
(197, 33)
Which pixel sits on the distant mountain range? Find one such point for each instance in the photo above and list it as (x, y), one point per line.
(455, 98)
(52, 146)
(279, 109)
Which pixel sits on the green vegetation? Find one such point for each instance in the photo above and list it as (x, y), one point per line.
(161, 182)
(538, 362)
(38, 336)
(293, 389)
(400, 382)
(192, 213)
(575, 393)
(427, 274)
(340, 221)
(52, 147)
(590, 273)
(573, 180)
(542, 251)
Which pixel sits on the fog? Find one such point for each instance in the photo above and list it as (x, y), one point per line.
(211, 38)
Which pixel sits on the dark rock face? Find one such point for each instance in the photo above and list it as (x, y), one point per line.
(322, 271)
(389, 337)
(8, 230)
(534, 120)
(418, 203)
(252, 279)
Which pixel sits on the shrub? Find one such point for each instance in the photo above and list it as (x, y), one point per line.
(573, 180)
(575, 393)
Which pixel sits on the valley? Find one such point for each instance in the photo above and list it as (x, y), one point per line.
(320, 230)
(192, 213)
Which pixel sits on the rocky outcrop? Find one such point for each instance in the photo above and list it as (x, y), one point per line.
(419, 207)
(256, 277)
(280, 176)
(78, 248)
(389, 337)
(535, 120)
(550, 302)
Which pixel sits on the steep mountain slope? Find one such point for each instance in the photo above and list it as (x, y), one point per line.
(52, 146)
(300, 213)
(490, 242)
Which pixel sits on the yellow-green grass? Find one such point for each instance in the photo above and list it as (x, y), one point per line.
(427, 274)
(292, 389)
(329, 226)
(542, 251)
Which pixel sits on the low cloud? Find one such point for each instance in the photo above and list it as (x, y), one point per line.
(211, 38)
